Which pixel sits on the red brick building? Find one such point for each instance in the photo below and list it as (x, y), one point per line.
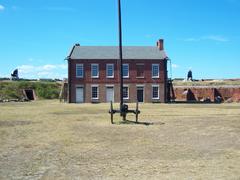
(93, 74)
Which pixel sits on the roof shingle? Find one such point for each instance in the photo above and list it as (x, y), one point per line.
(112, 52)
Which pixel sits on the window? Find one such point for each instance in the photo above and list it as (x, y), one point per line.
(140, 70)
(95, 70)
(125, 70)
(155, 70)
(95, 92)
(79, 70)
(155, 92)
(125, 92)
(110, 70)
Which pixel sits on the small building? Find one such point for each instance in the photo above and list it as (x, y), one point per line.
(93, 74)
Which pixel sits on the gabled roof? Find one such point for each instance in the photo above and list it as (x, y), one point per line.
(112, 52)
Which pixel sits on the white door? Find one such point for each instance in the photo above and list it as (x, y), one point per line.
(110, 94)
(79, 95)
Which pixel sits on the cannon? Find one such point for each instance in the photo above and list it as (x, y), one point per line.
(14, 75)
(124, 111)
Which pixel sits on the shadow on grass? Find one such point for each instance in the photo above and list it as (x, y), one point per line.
(129, 122)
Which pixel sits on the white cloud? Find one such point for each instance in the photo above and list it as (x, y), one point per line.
(25, 69)
(175, 66)
(2, 7)
(48, 67)
(215, 38)
(44, 71)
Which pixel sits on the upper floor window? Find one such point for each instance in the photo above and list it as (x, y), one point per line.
(95, 70)
(155, 91)
(140, 70)
(79, 70)
(95, 92)
(155, 70)
(125, 92)
(125, 69)
(110, 70)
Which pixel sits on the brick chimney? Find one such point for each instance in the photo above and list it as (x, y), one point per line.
(160, 44)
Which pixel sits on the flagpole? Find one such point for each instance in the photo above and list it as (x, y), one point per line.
(120, 55)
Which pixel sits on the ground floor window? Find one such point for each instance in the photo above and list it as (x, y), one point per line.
(155, 92)
(125, 92)
(95, 92)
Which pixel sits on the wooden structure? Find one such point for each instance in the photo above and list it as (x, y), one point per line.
(63, 95)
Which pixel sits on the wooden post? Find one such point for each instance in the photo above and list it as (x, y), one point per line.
(111, 111)
(120, 55)
(137, 112)
(124, 115)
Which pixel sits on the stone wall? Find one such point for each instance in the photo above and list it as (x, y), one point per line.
(210, 94)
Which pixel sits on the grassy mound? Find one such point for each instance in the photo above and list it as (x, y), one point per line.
(44, 90)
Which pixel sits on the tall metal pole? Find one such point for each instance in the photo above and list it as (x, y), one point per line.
(120, 54)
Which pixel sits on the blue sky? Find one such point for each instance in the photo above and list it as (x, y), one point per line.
(204, 35)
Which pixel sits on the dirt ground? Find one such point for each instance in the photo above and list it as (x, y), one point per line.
(49, 140)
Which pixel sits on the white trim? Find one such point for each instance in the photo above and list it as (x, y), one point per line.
(140, 85)
(97, 69)
(107, 70)
(128, 70)
(126, 98)
(82, 71)
(158, 71)
(93, 85)
(155, 85)
(109, 85)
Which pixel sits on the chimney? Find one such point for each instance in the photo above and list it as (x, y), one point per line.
(160, 44)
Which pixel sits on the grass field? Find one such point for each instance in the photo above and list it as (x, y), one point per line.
(49, 140)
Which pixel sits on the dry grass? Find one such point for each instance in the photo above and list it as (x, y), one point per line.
(220, 83)
(48, 140)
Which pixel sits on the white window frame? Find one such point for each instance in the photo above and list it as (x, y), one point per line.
(155, 85)
(128, 70)
(92, 70)
(95, 98)
(82, 70)
(126, 86)
(158, 70)
(107, 65)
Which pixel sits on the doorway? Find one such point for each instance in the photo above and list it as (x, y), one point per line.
(109, 94)
(29, 94)
(140, 94)
(79, 95)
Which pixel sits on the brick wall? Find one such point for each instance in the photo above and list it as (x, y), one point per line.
(201, 93)
(132, 93)
(132, 81)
